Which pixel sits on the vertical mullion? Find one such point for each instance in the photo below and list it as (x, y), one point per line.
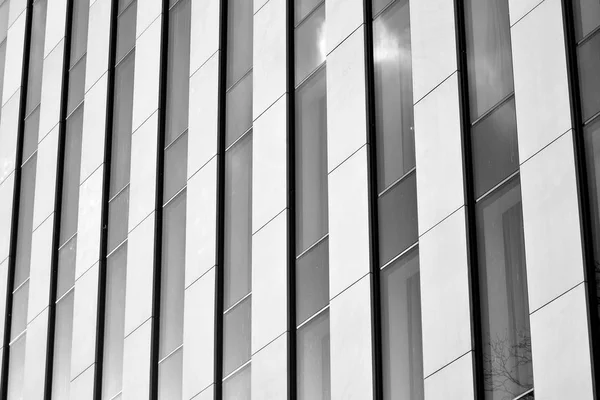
(220, 228)
(581, 175)
(14, 229)
(158, 206)
(376, 332)
(101, 311)
(291, 203)
(469, 195)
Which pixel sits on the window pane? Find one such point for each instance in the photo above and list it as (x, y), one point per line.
(79, 30)
(76, 85)
(16, 367)
(303, 7)
(401, 329)
(66, 267)
(61, 372)
(238, 220)
(588, 55)
(503, 294)
(488, 53)
(178, 70)
(393, 95)
(122, 121)
(311, 162)
(126, 31)
(170, 373)
(239, 109)
(31, 134)
(36, 55)
(310, 44)
(239, 39)
(587, 17)
(70, 190)
(236, 336)
(118, 217)
(312, 282)
(314, 378)
(25, 228)
(114, 328)
(173, 263)
(237, 387)
(19, 310)
(122, 4)
(175, 167)
(378, 5)
(398, 219)
(495, 150)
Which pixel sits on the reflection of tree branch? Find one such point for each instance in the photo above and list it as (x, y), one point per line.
(503, 363)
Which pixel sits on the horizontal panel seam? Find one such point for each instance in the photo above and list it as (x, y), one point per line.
(204, 63)
(557, 297)
(200, 277)
(436, 86)
(137, 327)
(448, 364)
(349, 286)
(527, 13)
(442, 220)
(348, 158)
(270, 220)
(346, 38)
(268, 108)
(548, 145)
(269, 343)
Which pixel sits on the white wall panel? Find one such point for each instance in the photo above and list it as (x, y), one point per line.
(198, 335)
(8, 136)
(17, 8)
(269, 282)
(519, 8)
(51, 90)
(269, 371)
(82, 387)
(13, 64)
(445, 305)
(89, 223)
(350, 341)
(136, 362)
(343, 18)
(56, 16)
(3, 281)
(6, 203)
(35, 357)
(98, 42)
(204, 34)
(438, 155)
(39, 274)
(94, 128)
(45, 177)
(147, 12)
(453, 382)
(207, 394)
(541, 81)
(269, 58)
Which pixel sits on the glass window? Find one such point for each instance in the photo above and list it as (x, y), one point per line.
(61, 372)
(239, 39)
(170, 372)
(70, 190)
(236, 336)
(311, 162)
(401, 329)
(495, 149)
(114, 329)
(118, 217)
(587, 17)
(312, 281)
(31, 133)
(36, 55)
(76, 85)
(25, 228)
(126, 25)
(178, 70)
(173, 263)
(592, 148)
(393, 94)
(237, 386)
(19, 310)
(488, 53)
(238, 220)
(303, 7)
(122, 4)
(588, 55)
(239, 109)
(16, 368)
(310, 44)
(175, 167)
(314, 379)
(503, 294)
(398, 228)
(79, 30)
(66, 267)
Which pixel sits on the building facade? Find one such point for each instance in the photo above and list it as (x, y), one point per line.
(299, 199)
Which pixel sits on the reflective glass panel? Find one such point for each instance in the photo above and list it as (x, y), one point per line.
(587, 17)
(312, 281)
(237, 386)
(398, 227)
(170, 372)
(126, 31)
(175, 167)
(79, 29)
(401, 329)
(66, 267)
(31, 133)
(16, 368)
(63, 335)
(36, 55)
(489, 54)
(310, 44)
(238, 221)
(495, 150)
(118, 218)
(239, 39)
(393, 94)
(503, 294)
(311, 162)
(236, 336)
(314, 379)
(76, 85)
(303, 7)
(588, 55)
(72, 167)
(19, 310)
(25, 228)
(239, 109)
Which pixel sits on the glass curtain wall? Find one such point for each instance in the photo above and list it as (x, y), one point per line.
(237, 262)
(402, 346)
(67, 244)
(20, 289)
(118, 201)
(504, 309)
(4, 5)
(587, 36)
(170, 347)
(312, 250)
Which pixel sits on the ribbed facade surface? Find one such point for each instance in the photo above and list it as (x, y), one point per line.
(299, 199)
